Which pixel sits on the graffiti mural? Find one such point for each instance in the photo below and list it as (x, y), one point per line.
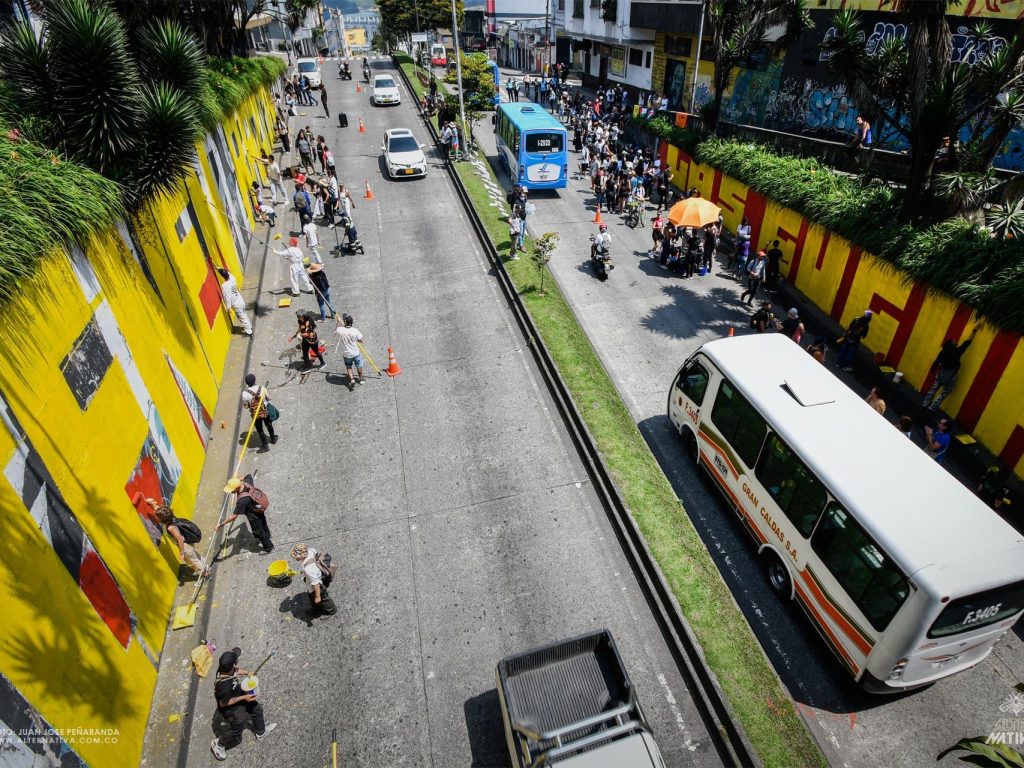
(967, 48)
(155, 475)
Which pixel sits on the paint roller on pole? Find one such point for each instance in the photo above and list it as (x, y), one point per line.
(185, 615)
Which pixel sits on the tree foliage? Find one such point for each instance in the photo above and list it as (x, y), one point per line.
(913, 87)
(738, 28)
(477, 83)
(402, 17)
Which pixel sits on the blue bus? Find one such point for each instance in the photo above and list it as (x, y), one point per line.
(532, 144)
(496, 74)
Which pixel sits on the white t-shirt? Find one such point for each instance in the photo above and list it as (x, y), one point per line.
(229, 290)
(310, 232)
(274, 171)
(311, 571)
(350, 338)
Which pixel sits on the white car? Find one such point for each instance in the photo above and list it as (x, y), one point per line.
(310, 69)
(385, 90)
(403, 155)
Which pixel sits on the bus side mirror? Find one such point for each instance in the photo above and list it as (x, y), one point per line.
(494, 119)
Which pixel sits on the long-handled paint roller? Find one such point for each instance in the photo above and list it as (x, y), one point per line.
(185, 615)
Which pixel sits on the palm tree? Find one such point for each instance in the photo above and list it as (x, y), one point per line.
(131, 115)
(914, 88)
(738, 29)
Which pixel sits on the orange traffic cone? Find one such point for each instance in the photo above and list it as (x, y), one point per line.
(392, 369)
(732, 331)
(597, 216)
(362, 128)
(359, 88)
(369, 192)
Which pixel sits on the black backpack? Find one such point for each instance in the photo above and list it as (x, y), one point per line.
(189, 531)
(323, 562)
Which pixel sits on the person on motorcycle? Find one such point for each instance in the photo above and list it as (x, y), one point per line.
(599, 243)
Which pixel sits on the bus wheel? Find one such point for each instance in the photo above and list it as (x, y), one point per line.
(777, 574)
(692, 448)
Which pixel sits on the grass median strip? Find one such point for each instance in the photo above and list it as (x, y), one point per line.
(763, 708)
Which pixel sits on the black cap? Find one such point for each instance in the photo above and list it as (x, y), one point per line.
(228, 660)
(250, 379)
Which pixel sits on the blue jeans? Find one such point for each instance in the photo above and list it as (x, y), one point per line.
(323, 301)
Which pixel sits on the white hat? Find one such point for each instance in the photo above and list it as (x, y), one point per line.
(793, 312)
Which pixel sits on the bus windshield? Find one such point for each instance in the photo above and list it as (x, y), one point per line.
(543, 142)
(980, 610)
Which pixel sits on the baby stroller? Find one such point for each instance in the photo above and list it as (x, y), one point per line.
(351, 244)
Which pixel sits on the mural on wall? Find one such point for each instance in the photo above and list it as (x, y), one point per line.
(154, 475)
(201, 418)
(675, 83)
(87, 363)
(42, 499)
(28, 739)
(780, 100)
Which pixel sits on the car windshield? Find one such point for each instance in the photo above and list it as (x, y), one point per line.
(980, 610)
(307, 66)
(543, 142)
(403, 144)
(384, 82)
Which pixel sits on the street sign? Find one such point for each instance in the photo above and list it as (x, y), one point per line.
(419, 37)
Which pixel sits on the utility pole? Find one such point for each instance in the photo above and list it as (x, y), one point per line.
(546, 58)
(458, 74)
(696, 58)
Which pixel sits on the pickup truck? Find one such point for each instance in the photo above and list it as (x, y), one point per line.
(572, 704)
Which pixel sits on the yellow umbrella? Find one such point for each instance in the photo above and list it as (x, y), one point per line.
(693, 212)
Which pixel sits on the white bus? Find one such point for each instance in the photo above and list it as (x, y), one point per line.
(904, 572)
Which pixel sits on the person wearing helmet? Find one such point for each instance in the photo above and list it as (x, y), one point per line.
(602, 240)
(351, 338)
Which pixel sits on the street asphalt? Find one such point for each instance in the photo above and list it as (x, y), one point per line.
(450, 497)
(644, 322)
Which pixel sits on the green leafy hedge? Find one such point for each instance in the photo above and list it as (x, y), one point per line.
(33, 220)
(45, 201)
(957, 257)
(684, 138)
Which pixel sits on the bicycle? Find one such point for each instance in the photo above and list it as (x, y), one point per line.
(636, 214)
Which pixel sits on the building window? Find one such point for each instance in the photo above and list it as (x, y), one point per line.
(577, 9)
(636, 57)
(678, 46)
(609, 10)
(595, 3)
(561, 5)
(647, 60)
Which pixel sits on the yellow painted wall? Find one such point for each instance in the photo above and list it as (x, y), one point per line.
(997, 357)
(57, 651)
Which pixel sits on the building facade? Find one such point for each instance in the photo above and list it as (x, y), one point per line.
(599, 39)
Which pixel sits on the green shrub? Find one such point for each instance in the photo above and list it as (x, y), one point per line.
(958, 257)
(684, 138)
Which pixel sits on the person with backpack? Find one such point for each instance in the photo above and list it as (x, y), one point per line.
(318, 573)
(857, 330)
(755, 274)
(263, 411)
(305, 152)
(763, 321)
(303, 203)
(184, 533)
(253, 503)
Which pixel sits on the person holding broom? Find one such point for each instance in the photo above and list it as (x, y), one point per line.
(309, 341)
(251, 502)
(351, 338)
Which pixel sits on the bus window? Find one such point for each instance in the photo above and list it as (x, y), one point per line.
(515, 140)
(979, 610)
(543, 142)
(861, 568)
(740, 425)
(693, 382)
(797, 492)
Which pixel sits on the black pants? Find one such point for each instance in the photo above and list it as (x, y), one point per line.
(753, 283)
(325, 108)
(285, 142)
(258, 526)
(325, 607)
(307, 347)
(237, 717)
(771, 276)
(260, 423)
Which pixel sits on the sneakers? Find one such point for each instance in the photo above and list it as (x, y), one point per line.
(218, 751)
(514, 258)
(273, 438)
(268, 729)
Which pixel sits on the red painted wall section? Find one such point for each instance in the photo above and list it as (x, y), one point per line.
(1013, 451)
(798, 240)
(905, 320)
(984, 384)
(843, 292)
(955, 330)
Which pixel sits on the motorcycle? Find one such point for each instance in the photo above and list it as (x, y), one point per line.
(366, 73)
(600, 259)
(345, 72)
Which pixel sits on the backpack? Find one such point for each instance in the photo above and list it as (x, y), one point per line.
(327, 570)
(259, 499)
(330, 158)
(299, 199)
(189, 531)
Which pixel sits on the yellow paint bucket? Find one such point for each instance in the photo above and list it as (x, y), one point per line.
(279, 572)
